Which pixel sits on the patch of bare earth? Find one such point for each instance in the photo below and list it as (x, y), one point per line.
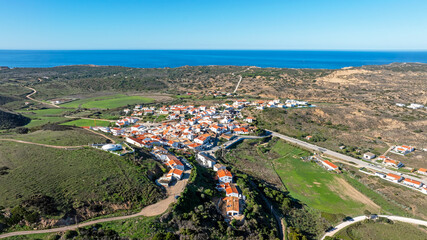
(346, 191)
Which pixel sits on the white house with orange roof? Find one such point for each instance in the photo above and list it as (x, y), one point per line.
(231, 190)
(174, 162)
(224, 176)
(117, 131)
(232, 206)
(330, 166)
(422, 171)
(175, 173)
(393, 163)
(404, 149)
(393, 177)
(135, 141)
(424, 190)
(412, 183)
(202, 139)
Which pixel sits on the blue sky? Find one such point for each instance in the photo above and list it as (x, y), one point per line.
(203, 24)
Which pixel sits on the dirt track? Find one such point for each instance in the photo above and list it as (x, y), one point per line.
(34, 92)
(44, 145)
(151, 210)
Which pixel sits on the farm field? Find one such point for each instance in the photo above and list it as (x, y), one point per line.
(69, 137)
(110, 101)
(82, 177)
(374, 231)
(315, 186)
(87, 122)
(43, 116)
(276, 161)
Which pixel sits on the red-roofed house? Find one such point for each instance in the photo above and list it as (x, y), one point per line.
(393, 177)
(232, 206)
(224, 176)
(422, 171)
(330, 166)
(231, 191)
(175, 173)
(412, 183)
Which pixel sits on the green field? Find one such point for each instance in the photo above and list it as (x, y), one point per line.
(110, 101)
(280, 163)
(43, 116)
(87, 122)
(313, 185)
(71, 137)
(72, 178)
(376, 231)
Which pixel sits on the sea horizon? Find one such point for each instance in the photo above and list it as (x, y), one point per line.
(314, 59)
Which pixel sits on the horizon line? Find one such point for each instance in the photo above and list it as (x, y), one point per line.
(171, 49)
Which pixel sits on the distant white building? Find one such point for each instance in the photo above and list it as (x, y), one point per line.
(369, 156)
(415, 106)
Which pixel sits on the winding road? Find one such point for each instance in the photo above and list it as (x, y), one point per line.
(361, 218)
(34, 92)
(151, 210)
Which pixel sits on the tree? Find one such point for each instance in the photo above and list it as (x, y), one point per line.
(367, 213)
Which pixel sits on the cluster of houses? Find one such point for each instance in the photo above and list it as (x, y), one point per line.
(277, 103)
(402, 150)
(176, 166)
(405, 181)
(233, 199)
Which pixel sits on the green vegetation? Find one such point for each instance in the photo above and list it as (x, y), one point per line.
(44, 116)
(135, 228)
(280, 163)
(12, 120)
(370, 230)
(387, 207)
(109, 101)
(87, 122)
(66, 137)
(313, 185)
(86, 181)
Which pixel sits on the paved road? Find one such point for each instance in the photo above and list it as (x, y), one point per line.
(361, 218)
(34, 92)
(151, 210)
(341, 156)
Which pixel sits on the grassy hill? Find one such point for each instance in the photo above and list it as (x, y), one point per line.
(12, 120)
(57, 184)
(382, 230)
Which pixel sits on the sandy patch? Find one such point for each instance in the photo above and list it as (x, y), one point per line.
(347, 191)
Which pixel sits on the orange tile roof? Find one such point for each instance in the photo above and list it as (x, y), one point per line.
(224, 173)
(397, 177)
(232, 204)
(412, 181)
(175, 171)
(231, 188)
(330, 164)
(422, 170)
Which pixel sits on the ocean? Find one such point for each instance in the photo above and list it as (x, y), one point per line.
(178, 58)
